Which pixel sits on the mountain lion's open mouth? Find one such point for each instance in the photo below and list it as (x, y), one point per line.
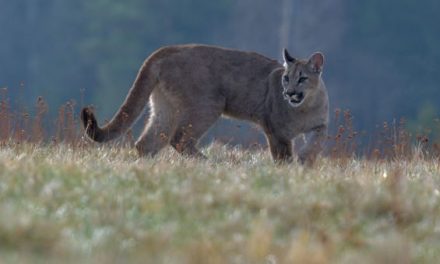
(295, 99)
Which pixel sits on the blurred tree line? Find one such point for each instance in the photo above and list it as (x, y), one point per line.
(382, 57)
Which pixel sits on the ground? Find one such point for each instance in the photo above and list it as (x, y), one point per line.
(98, 204)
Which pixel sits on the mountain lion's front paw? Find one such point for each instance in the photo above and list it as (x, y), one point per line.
(306, 158)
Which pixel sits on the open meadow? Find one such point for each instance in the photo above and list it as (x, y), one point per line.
(222, 79)
(102, 204)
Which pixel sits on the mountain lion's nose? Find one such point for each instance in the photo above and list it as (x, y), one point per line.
(299, 95)
(290, 93)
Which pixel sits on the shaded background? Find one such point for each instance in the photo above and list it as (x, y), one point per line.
(382, 57)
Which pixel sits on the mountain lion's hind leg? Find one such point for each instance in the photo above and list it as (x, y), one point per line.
(159, 129)
(190, 128)
(155, 136)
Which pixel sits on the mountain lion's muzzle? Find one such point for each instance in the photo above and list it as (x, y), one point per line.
(294, 98)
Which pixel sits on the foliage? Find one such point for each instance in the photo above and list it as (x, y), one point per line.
(427, 122)
(61, 48)
(381, 56)
(393, 53)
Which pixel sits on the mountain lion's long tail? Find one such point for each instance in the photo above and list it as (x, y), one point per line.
(132, 107)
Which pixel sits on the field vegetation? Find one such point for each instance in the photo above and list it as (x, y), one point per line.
(65, 199)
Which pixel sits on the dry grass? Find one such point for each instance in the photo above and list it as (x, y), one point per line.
(64, 199)
(104, 205)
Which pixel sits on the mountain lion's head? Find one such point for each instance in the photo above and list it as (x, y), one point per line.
(300, 79)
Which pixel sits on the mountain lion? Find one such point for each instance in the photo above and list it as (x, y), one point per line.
(190, 86)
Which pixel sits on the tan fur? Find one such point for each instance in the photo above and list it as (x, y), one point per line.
(190, 86)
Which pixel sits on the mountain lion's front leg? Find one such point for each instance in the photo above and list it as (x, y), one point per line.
(281, 149)
(313, 145)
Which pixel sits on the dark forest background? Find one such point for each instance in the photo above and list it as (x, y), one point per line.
(382, 57)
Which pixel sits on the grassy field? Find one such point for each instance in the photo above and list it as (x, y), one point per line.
(104, 205)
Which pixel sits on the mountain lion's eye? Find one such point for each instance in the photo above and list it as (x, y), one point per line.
(286, 78)
(302, 79)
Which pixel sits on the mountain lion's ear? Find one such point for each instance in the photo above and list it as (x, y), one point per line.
(316, 61)
(287, 58)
